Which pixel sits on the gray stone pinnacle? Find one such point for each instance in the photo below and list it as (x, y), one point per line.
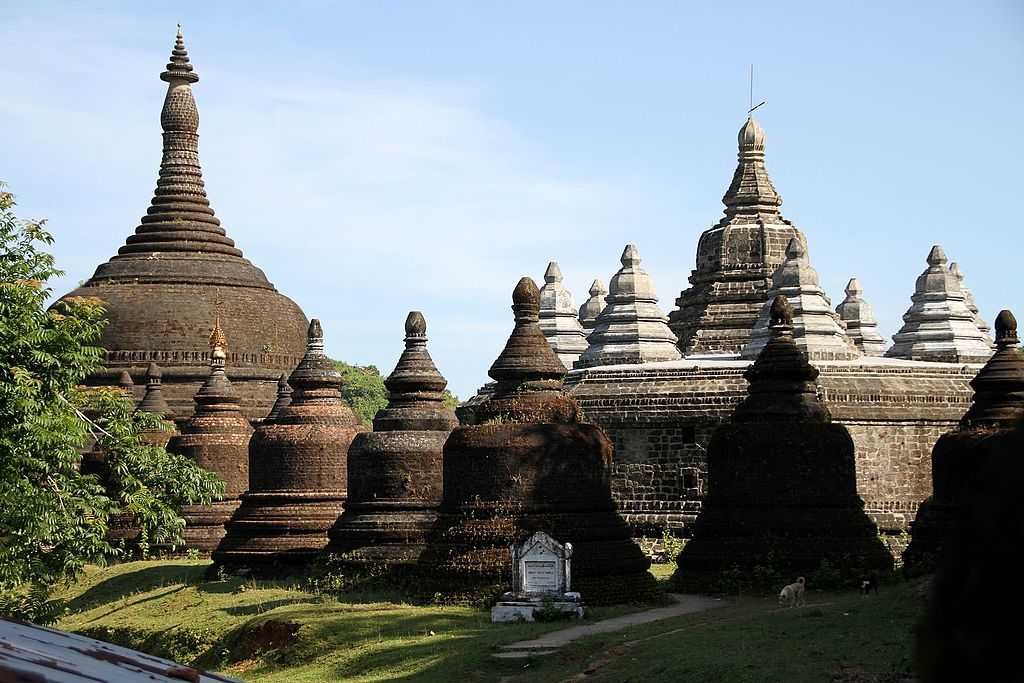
(558, 321)
(593, 306)
(969, 300)
(861, 326)
(631, 328)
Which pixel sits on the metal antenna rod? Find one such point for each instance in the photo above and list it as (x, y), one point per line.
(752, 105)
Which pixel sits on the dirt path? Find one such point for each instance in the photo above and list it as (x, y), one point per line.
(550, 642)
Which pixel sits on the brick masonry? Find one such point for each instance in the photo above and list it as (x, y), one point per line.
(660, 420)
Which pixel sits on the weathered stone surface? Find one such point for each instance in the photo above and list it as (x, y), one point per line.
(782, 477)
(817, 330)
(394, 484)
(297, 473)
(960, 454)
(939, 326)
(593, 306)
(631, 328)
(216, 437)
(735, 258)
(558, 319)
(972, 305)
(180, 270)
(861, 326)
(530, 465)
(284, 399)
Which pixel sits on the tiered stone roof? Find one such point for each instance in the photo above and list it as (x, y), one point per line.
(999, 385)
(153, 400)
(631, 328)
(593, 306)
(939, 326)
(735, 258)
(217, 438)
(297, 474)
(817, 329)
(781, 477)
(530, 464)
(394, 485)
(954, 268)
(179, 270)
(558, 319)
(861, 326)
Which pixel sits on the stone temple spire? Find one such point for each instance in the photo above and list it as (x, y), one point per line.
(999, 385)
(631, 329)
(817, 329)
(558, 319)
(939, 326)
(861, 326)
(284, 398)
(735, 258)
(593, 306)
(954, 268)
(153, 400)
(179, 270)
(395, 478)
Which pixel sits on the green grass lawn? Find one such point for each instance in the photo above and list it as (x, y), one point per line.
(265, 631)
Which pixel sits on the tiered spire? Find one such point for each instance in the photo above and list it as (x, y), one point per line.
(415, 387)
(153, 400)
(751, 194)
(861, 326)
(631, 329)
(939, 326)
(817, 329)
(527, 356)
(125, 383)
(216, 437)
(593, 306)
(558, 319)
(972, 305)
(782, 382)
(735, 258)
(999, 386)
(284, 398)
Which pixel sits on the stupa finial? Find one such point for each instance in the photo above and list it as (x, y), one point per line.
(415, 326)
(630, 256)
(553, 273)
(179, 68)
(1006, 330)
(218, 340)
(781, 313)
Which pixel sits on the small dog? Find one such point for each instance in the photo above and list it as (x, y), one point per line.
(793, 594)
(869, 584)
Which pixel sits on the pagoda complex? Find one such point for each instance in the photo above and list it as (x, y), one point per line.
(735, 258)
(180, 270)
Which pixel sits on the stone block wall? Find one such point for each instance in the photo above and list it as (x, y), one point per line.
(660, 418)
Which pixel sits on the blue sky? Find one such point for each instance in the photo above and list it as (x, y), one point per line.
(374, 158)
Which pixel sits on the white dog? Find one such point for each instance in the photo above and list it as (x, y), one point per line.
(793, 594)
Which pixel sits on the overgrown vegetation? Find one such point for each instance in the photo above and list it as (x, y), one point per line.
(53, 518)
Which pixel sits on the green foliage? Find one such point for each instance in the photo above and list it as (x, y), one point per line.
(31, 603)
(363, 390)
(53, 519)
(365, 393)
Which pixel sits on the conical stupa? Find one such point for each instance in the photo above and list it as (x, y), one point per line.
(959, 455)
(180, 270)
(530, 464)
(972, 305)
(861, 326)
(394, 484)
(939, 326)
(297, 473)
(735, 258)
(631, 328)
(817, 329)
(284, 399)
(558, 319)
(217, 438)
(782, 479)
(593, 306)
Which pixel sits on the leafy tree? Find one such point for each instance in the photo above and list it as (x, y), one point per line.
(365, 392)
(53, 518)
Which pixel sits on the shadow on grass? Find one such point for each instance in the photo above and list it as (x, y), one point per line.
(132, 583)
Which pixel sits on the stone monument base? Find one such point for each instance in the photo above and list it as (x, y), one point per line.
(513, 608)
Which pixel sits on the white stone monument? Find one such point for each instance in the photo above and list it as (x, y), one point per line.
(541, 576)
